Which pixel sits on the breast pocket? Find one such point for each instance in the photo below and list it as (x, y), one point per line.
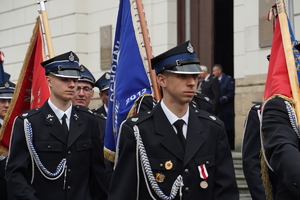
(206, 166)
(49, 153)
(44, 146)
(83, 148)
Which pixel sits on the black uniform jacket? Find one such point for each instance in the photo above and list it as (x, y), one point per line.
(203, 102)
(211, 88)
(100, 111)
(206, 144)
(81, 148)
(282, 147)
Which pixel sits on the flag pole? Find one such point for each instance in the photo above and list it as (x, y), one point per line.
(46, 29)
(148, 47)
(288, 51)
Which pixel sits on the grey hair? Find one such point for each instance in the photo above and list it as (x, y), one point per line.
(204, 68)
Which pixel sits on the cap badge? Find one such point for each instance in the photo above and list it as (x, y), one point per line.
(190, 48)
(168, 165)
(6, 85)
(71, 57)
(107, 76)
(159, 177)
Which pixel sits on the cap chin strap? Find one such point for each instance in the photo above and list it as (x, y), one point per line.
(66, 67)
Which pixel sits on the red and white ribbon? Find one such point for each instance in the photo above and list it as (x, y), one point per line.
(203, 171)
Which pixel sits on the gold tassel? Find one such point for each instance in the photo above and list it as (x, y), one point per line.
(265, 177)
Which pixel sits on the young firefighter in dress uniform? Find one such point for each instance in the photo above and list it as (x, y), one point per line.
(155, 161)
(55, 150)
(7, 89)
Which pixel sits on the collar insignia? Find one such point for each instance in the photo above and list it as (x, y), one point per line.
(213, 117)
(134, 119)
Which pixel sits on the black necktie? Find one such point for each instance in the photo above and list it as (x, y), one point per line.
(178, 125)
(64, 123)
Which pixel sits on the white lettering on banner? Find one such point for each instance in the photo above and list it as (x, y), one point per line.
(113, 72)
(135, 96)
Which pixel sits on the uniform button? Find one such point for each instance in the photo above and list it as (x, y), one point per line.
(295, 184)
(186, 171)
(161, 165)
(207, 162)
(69, 152)
(69, 187)
(84, 145)
(69, 170)
(49, 147)
(187, 189)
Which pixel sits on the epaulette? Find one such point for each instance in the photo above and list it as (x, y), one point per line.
(29, 113)
(256, 106)
(102, 116)
(208, 116)
(140, 117)
(82, 108)
(203, 98)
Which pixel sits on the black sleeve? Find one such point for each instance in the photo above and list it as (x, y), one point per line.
(251, 154)
(19, 165)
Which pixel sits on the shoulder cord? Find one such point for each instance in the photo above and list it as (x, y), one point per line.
(262, 137)
(35, 157)
(293, 119)
(148, 174)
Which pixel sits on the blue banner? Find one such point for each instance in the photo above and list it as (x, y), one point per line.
(295, 51)
(128, 76)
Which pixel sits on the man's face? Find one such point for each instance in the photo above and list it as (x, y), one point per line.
(216, 72)
(62, 89)
(4, 104)
(83, 94)
(104, 96)
(178, 88)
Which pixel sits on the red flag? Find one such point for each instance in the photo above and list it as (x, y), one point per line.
(278, 81)
(31, 90)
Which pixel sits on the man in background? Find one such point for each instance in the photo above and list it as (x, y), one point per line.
(210, 86)
(226, 102)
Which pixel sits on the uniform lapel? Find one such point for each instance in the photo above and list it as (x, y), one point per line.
(74, 131)
(53, 125)
(194, 139)
(169, 138)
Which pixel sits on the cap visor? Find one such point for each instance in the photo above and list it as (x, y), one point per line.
(67, 73)
(185, 69)
(6, 95)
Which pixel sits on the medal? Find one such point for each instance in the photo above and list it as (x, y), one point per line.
(203, 184)
(160, 177)
(168, 165)
(203, 175)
